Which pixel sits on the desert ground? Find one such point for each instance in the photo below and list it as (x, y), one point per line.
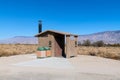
(82, 67)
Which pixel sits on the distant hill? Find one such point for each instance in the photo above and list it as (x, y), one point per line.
(107, 36)
(20, 40)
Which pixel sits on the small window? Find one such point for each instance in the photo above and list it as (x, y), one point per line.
(50, 44)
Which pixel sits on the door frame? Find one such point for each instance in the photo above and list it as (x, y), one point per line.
(60, 41)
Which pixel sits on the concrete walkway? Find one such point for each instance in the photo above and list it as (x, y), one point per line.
(27, 67)
(51, 62)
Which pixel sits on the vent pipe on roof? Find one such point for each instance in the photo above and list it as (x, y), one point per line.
(39, 26)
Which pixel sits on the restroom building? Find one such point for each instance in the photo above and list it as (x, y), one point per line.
(62, 44)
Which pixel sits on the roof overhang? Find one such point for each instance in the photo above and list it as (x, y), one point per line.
(57, 32)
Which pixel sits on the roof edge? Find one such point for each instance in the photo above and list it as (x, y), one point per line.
(58, 32)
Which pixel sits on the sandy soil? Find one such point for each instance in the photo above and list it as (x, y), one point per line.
(27, 67)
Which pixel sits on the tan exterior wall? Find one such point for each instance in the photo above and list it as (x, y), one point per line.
(44, 42)
(71, 48)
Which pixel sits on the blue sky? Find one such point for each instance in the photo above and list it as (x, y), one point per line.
(20, 17)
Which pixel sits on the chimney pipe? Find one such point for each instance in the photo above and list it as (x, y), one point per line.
(39, 26)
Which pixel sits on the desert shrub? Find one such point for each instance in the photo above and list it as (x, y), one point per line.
(92, 53)
(86, 43)
(79, 43)
(98, 44)
(116, 45)
(95, 44)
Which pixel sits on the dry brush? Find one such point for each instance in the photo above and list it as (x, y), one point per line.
(15, 49)
(107, 52)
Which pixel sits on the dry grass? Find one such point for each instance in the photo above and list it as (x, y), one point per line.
(107, 52)
(15, 49)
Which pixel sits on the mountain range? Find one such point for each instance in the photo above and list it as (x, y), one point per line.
(20, 40)
(106, 36)
(111, 37)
